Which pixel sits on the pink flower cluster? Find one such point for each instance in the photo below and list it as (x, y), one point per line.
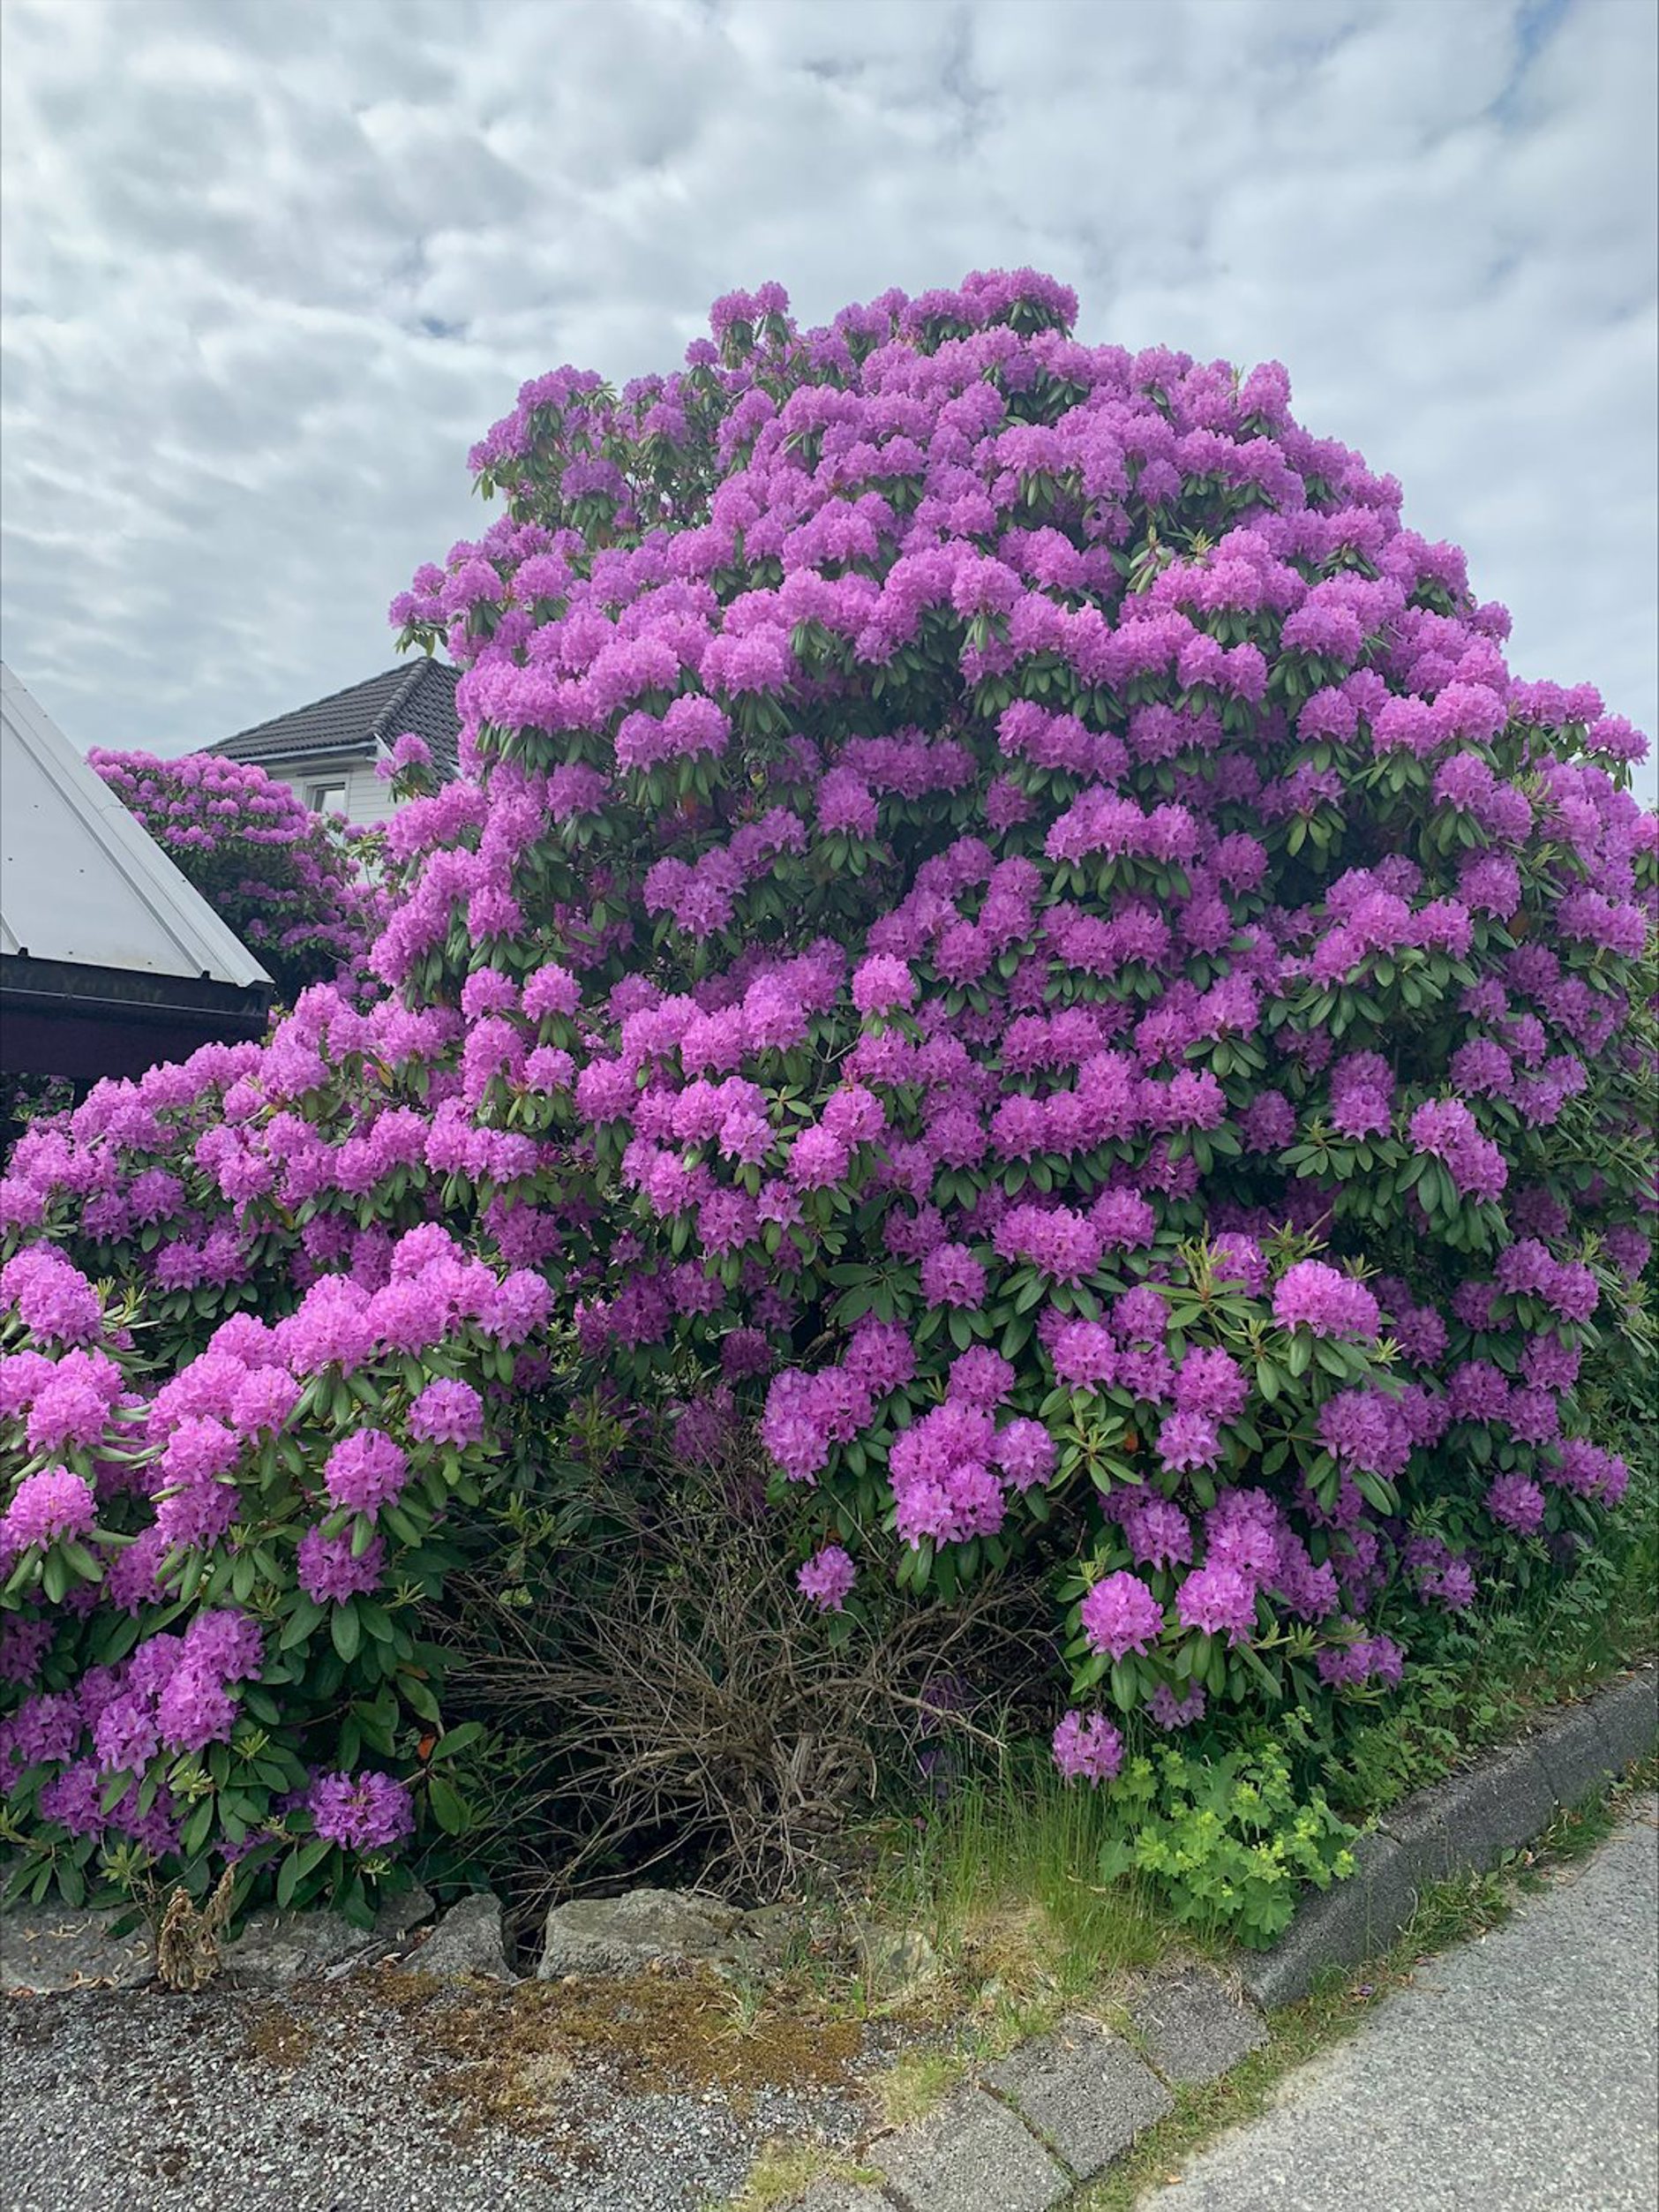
(1003, 921)
(364, 1812)
(173, 1695)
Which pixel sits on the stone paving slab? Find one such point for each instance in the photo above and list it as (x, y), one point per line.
(1196, 2027)
(1085, 2089)
(844, 2196)
(973, 2154)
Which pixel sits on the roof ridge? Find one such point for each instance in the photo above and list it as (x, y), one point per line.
(399, 699)
(418, 696)
(327, 699)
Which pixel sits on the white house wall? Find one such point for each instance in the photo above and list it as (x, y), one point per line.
(368, 800)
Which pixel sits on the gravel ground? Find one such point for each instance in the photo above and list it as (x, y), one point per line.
(1519, 2073)
(379, 2094)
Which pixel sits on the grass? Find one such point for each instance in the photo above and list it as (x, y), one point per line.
(784, 2171)
(919, 2080)
(916, 2085)
(1001, 1876)
(1451, 1913)
(1000, 1879)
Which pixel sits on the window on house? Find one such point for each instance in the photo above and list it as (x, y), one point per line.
(325, 798)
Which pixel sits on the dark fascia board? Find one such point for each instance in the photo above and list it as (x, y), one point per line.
(58, 1018)
(354, 748)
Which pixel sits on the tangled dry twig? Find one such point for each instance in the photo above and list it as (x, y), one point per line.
(689, 1699)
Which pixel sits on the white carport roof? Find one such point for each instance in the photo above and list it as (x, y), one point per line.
(80, 881)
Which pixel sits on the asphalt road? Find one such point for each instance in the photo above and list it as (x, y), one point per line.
(1518, 2073)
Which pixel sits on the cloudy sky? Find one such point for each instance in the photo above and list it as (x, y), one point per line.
(270, 266)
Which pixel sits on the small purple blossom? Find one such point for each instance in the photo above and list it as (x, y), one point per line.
(328, 1572)
(362, 1812)
(950, 1275)
(1088, 1748)
(366, 1471)
(1220, 1600)
(447, 1412)
(1519, 1504)
(1320, 1299)
(827, 1578)
(44, 1508)
(1167, 1711)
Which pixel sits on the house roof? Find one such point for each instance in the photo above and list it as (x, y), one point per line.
(81, 881)
(418, 695)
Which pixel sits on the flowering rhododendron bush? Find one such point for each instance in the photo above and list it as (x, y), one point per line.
(1006, 930)
(290, 882)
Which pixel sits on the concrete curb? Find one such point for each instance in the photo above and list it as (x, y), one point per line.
(1058, 2112)
(1466, 1824)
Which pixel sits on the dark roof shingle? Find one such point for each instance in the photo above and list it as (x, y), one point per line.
(418, 695)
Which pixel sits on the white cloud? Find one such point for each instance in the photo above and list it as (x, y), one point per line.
(268, 272)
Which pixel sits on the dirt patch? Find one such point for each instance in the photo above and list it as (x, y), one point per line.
(280, 2038)
(526, 2058)
(508, 2056)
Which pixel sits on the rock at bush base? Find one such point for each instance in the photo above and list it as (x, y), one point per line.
(275, 1948)
(620, 1935)
(403, 1914)
(893, 1958)
(648, 1927)
(467, 1940)
(287, 1946)
(44, 1951)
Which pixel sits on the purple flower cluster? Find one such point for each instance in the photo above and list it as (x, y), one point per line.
(1445, 1129)
(44, 1508)
(1121, 1614)
(330, 1571)
(173, 1695)
(366, 1812)
(1321, 1299)
(50, 1297)
(1373, 1658)
(828, 1577)
(1088, 1748)
(366, 1471)
(1004, 921)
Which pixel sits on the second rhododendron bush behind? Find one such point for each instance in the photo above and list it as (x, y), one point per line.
(290, 882)
(1007, 953)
